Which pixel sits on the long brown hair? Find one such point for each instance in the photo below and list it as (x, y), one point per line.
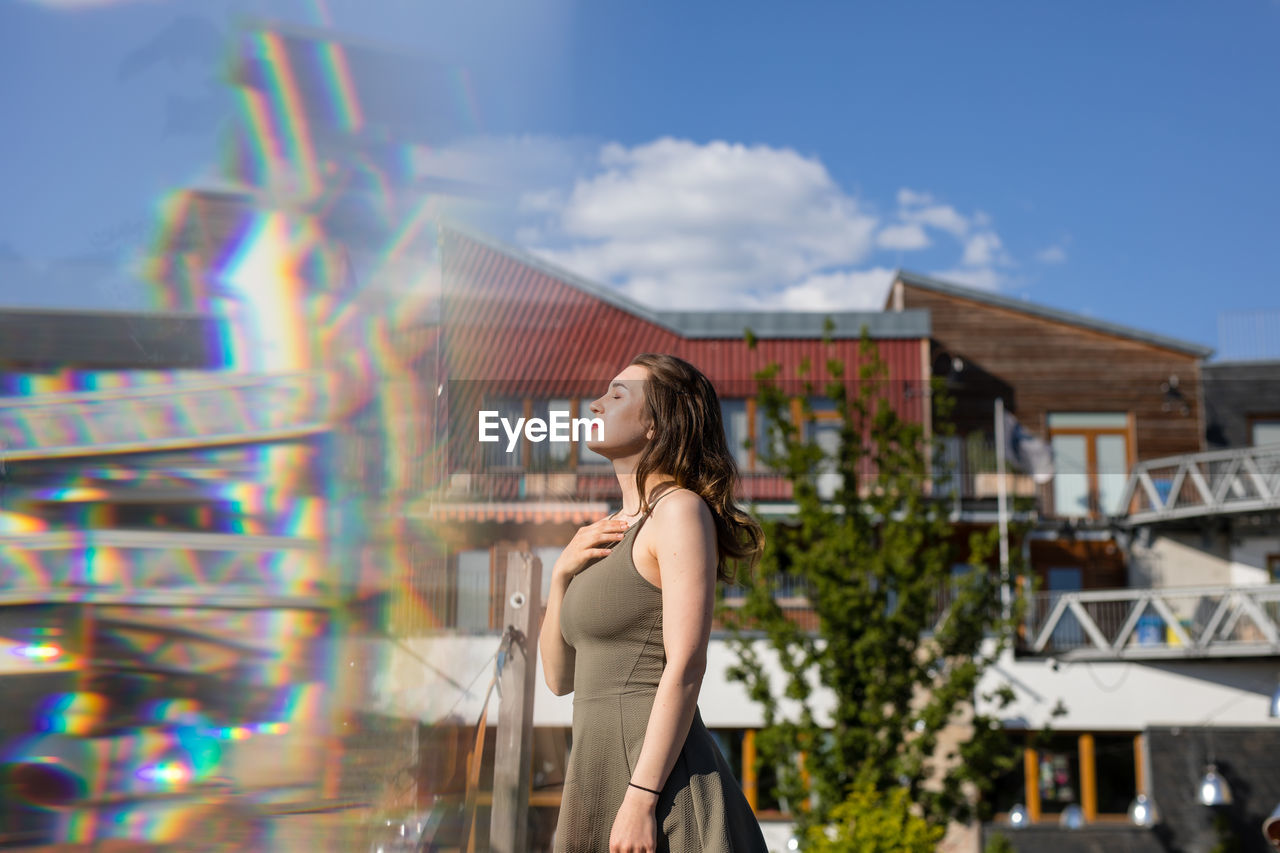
(689, 445)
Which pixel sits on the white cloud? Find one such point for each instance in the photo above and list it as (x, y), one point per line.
(1052, 255)
(904, 237)
(854, 290)
(984, 249)
(679, 224)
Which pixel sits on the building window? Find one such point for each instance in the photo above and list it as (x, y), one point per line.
(1091, 454)
(496, 455)
(738, 746)
(1100, 773)
(1116, 768)
(737, 431)
(1264, 430)
(474, 577)
(547, 455)
(823, 429)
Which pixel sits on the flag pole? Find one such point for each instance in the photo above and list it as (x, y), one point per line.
(1002, 511)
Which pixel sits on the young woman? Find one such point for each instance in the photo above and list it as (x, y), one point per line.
(628, 622)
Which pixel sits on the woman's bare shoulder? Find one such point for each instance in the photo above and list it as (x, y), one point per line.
(681, 506)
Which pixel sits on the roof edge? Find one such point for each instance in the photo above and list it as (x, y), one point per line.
(1056, 314)
(695, 324)
(600, 291)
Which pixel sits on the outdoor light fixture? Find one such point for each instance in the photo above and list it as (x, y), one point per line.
(1271, 828)
(1072, 817)
(1018, 816)
(1214, 790)
(1142, 812)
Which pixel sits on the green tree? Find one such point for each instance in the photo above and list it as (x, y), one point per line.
(900, 640)
(871, 821)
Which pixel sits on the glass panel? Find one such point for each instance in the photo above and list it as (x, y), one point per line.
(1265, 432)
(734, 413)
(1065, 580)
(1113, 471)
(1068, 634)
(495, 452)
(1071, 481)
(473, 590)
(1088, 420)
(826, 433)
(1058, 774)
(548, 455)
(1117, 775)
(729, 742)
(822, 404)
(586, 456)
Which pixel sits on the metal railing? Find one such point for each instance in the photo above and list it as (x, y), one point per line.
(965, 468)
(1246, 479)
(188, 413)
(1154, 623)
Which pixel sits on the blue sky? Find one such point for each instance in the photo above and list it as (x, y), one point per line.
(1117, 160)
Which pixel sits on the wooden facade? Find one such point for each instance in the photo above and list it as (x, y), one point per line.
(1053, 365)
(1062, 375)
(1043, 362)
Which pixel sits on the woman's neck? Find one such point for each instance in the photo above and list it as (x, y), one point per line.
(631, 494)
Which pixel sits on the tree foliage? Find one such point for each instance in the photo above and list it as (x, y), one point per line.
(871, 821)
(901, 637)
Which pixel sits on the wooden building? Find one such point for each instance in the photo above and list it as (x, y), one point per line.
(1104, 396)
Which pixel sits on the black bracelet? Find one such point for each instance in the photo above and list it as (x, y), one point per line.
(646, 790)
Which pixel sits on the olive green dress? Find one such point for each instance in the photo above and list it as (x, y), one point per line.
(613, 619)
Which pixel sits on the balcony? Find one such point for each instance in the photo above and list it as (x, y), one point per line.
(1145, 624)
(1197, 485)
(168, 569)
(220, 410)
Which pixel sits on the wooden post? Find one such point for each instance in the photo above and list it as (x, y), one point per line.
(750, 779)
(509, 819)
(1088, 779)
(1031, 773)
(1140, 764)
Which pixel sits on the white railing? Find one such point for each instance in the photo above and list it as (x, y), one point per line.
(127, 566)
(1198, 484)
(1154, 623)
(218, 410)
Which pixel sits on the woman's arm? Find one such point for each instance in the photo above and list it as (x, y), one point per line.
(686, 553)
(557, 655)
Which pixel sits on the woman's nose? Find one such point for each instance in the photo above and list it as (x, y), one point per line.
(595, 408)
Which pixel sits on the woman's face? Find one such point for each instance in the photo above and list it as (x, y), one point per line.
(622, 410)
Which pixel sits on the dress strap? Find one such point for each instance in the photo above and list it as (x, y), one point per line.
(645, 516)
(652, 504)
